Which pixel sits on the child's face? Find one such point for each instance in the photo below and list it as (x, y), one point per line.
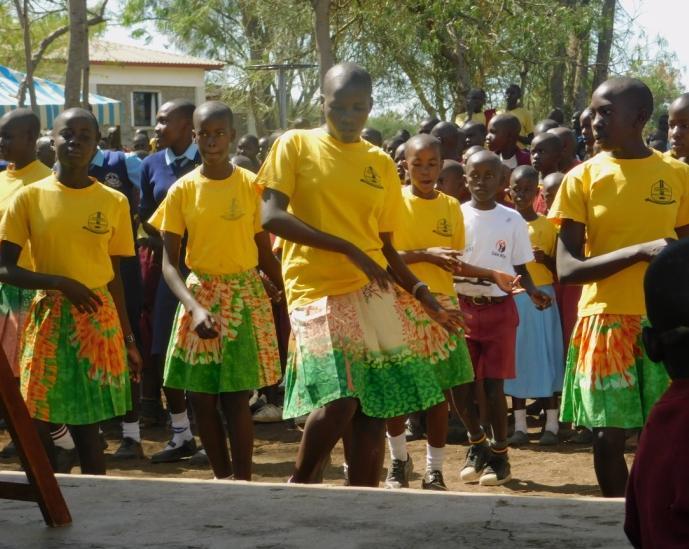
(15, 140)
(248, 148)
(170, 126)
(263, 144)
(399, 162)
(544, 156)
(423, 165)
(678, 133)
(453, 183)
(474, 135)
(76, 138)
(512, 95)
(214, 135)
(614, 119)
(475, 101)
(550, 192)
(484, 179)
(523, 192)
(586, 128)
(498, 137)
(346, 110)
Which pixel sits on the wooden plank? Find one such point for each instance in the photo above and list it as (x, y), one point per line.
(42, 483)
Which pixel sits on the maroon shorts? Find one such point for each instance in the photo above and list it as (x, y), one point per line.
(492, 337)
(567, 302)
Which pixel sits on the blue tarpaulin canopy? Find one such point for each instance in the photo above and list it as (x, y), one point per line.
(50, 99)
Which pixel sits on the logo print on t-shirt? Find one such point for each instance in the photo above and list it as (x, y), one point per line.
(371, 178)
(113, 180)
(500, 247)
(661, 193)
(443, 227)
(97, 223)
(234, 212)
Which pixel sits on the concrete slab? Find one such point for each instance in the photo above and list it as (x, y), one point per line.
(117, 512)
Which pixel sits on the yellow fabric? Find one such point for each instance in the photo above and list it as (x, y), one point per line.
(525, 119)
(11, 181)
(221, 217)
(543, 236)
(480, 117)
(427, 224)
(349, 190)
(622, 203)
(72, 232)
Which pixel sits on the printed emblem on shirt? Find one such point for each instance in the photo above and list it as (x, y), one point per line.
(234, 212)
(113, 180)
(371, 178)
(661, 193)
(443, 227)
(97, 223)
(500, 247)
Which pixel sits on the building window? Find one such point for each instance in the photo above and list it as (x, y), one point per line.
(144, 108)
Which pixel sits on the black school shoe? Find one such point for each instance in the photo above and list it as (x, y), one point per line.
(65, 459)
(475, 463)
(399, 473)
(129, 449)
(497, 472)
(433, 480)
(175, 453)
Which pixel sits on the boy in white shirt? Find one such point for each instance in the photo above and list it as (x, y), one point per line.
(496, 238)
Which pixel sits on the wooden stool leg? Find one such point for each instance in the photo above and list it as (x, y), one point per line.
(42, 487)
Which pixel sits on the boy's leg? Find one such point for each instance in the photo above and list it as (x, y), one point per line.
(520, 435)
(212, 433)
(368, 453)
(609, 462)
(44, 429)
(400, 463)
(90, 448)
(497, 406)
(478, 453)
(241, 427)
(323, 429)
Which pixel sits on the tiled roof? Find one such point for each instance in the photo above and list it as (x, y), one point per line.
(112, 53)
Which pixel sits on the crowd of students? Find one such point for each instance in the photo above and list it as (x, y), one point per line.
(430, 273)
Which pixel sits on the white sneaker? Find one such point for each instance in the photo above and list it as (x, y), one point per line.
(268, 413)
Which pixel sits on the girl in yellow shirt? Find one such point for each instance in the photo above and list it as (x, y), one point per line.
(223, 341)
(74, 356)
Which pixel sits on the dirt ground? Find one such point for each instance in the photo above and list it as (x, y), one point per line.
(565, 470)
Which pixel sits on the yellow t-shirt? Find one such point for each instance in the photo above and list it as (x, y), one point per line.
(462, 118)
(525, 119)
(349, 190)
(11, 181)
(72, 232)
(622, 203)
(220, 216)
(543, 235)
(427, 224)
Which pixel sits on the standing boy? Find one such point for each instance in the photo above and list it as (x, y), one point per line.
(502, 137)
(679, 129)
(513, 96)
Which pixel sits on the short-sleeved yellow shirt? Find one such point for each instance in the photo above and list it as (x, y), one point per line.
(11, 181)
(72, 232)
(543, 236)
(622, 203)
(349, 190)
(220, 216)
(427, 224)
(463, 118)
(525, 119)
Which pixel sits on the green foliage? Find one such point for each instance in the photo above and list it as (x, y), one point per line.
(390, 123)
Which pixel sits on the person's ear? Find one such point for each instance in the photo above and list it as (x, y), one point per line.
(405, 165)
(652, 344)
(194, 136)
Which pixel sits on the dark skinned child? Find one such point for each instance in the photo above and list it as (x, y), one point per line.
(544, 125)
(474, 134)
(568, 158)
(223, 344)
(45, 152)
(496, 238)
(77, 229)
(590, 147)
(513, 106)
(474, 102)
(551, 184)
(399, 164)
(430, 237)
(452, 181)
(350, 334)
(539, 351)
(678, 132)
(502, 136)
(373, 136)
(656, 509)
(610, 383)
(248, 146)
(427, 124)
(546, 153)
(451, 140)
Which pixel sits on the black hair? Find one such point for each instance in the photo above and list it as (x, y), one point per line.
(509, 120)
(78, 112)
(213, 109)
(182, 106)
(23, 116)
(373, 136)
(632, 90)
(525, 172)
(347, 74)
(421, 141)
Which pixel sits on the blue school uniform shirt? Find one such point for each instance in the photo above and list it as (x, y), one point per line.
(159, 171)
(112, 169)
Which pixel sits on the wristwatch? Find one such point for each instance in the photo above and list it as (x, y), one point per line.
(129, 339)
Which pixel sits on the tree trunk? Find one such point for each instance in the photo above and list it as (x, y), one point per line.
(324, 42)
(605, 36)
(85, 72)
(76, 61)
(557, 79)
(23, 16)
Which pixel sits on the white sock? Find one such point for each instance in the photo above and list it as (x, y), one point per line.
(434, 458)
(180, 428)
(398, 447)
(520, 421)
(551, 423)
(62, 438)
(131, 430)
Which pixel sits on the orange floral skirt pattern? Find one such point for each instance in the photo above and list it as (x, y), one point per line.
(609, 379)
(73, 365)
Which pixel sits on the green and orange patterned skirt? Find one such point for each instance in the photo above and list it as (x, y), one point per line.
(14, 308)
(245, 354)
(609, 379)
(74, 365)
(377, 346)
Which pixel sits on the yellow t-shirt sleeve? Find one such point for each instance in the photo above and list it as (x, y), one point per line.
(392, 207)
(168, 217)
(14, 226)
(280, 167)
(570, 201)
(258, 227)
(122, 239)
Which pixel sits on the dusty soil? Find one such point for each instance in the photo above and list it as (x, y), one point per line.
(565, 470)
